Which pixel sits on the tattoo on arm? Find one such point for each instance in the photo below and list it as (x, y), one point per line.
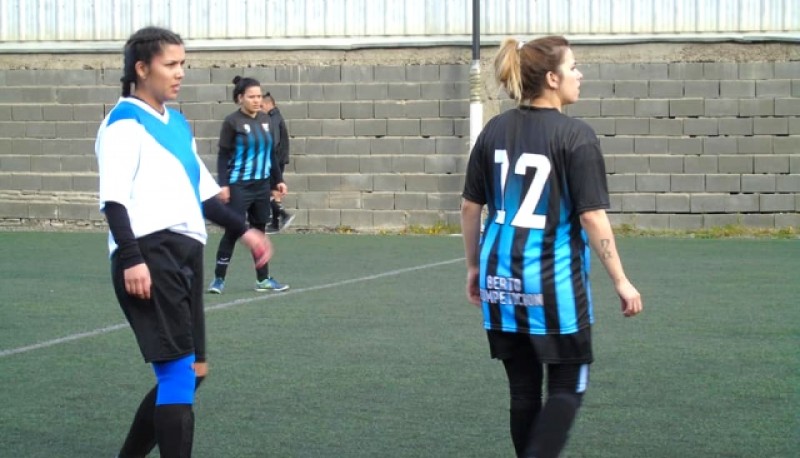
(605, 251)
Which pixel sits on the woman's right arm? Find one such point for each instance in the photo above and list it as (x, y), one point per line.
(601, 239)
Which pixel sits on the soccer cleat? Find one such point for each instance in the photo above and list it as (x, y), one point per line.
(217, 286)
(270, 284)
(272, 229)
(286, 220)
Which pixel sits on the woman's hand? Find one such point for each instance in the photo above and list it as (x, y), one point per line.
(260, 246)
(137, 281)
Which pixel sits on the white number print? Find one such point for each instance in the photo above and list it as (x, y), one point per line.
(525, 215)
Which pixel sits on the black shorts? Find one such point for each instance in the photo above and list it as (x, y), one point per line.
(171, 324)
(251, 198)
(548, 349)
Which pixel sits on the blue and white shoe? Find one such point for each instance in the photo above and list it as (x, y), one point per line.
(217, 286)
(286, 220)
(270, 284)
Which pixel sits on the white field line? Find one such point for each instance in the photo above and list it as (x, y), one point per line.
(224, 305)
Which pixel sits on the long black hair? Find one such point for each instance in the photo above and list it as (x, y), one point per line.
(143, 45)
(240, 85)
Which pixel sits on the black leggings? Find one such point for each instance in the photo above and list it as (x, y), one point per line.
(252, 200)
(541, 431)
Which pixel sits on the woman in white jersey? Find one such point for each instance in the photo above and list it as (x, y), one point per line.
(156, 193)
(542, 176)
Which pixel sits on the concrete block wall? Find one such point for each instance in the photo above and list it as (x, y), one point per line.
(697, 144)
(383, 145)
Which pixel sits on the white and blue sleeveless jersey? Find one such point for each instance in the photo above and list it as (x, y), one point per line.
(536, 170)
(148, 162)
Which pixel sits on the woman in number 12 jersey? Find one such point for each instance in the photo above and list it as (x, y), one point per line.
(541, 175)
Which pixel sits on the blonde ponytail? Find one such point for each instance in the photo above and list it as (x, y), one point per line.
(507, 68)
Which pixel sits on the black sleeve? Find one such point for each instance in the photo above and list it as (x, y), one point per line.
(227, 140)
(586, 173)
(475, 179)
(275, 173)
(218, 213)
(284, 152)
(120, 225)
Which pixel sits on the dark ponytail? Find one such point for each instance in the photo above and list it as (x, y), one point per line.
(240, 85)
(143, 45)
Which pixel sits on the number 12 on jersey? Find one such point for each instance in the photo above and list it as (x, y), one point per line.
(525, 216)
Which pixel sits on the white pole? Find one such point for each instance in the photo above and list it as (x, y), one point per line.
(475, 104)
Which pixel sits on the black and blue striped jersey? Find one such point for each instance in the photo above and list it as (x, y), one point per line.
(245, 150)
(536, 170)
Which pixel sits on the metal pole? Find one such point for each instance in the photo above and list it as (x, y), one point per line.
(475, 105)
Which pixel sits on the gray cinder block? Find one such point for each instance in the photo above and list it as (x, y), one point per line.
(651, 182)
(673, 203)
(737, 89)
(666, 164)
(754, 145)
(341, 92)
(632, 126)
(670, 127)
(776, 203)
(719, 145)
(602, 126)
(756, 70)
(736, 164)
(630, 89)
(639, 202)
(338, 127)
(687, 182)
(788, 183)
(423, 72)
(357, 110)
(736, 126)
(773, 88)
(787, 107)
(357, 146)
(770, 126)
(631, 164)
(707, 89)
(722, 107)
(421, 146)
(633, 71)
(372, 91)
(701, 127)
(707, 203)
(686, 146)
(454, 108)
(358, 73)
(324, 110)
(759, 183)
(687, 107)
(650, 145)
(700, 164)
(419, 109)
(720, 70)
(403, 127)
(651, 108)
(667, 89)
(685, 222)
(771, 164)
(723, 183)
(404, 91)
(597, 89)
(622, 182)
(617, 145)
(741, 203)
(685, 71)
